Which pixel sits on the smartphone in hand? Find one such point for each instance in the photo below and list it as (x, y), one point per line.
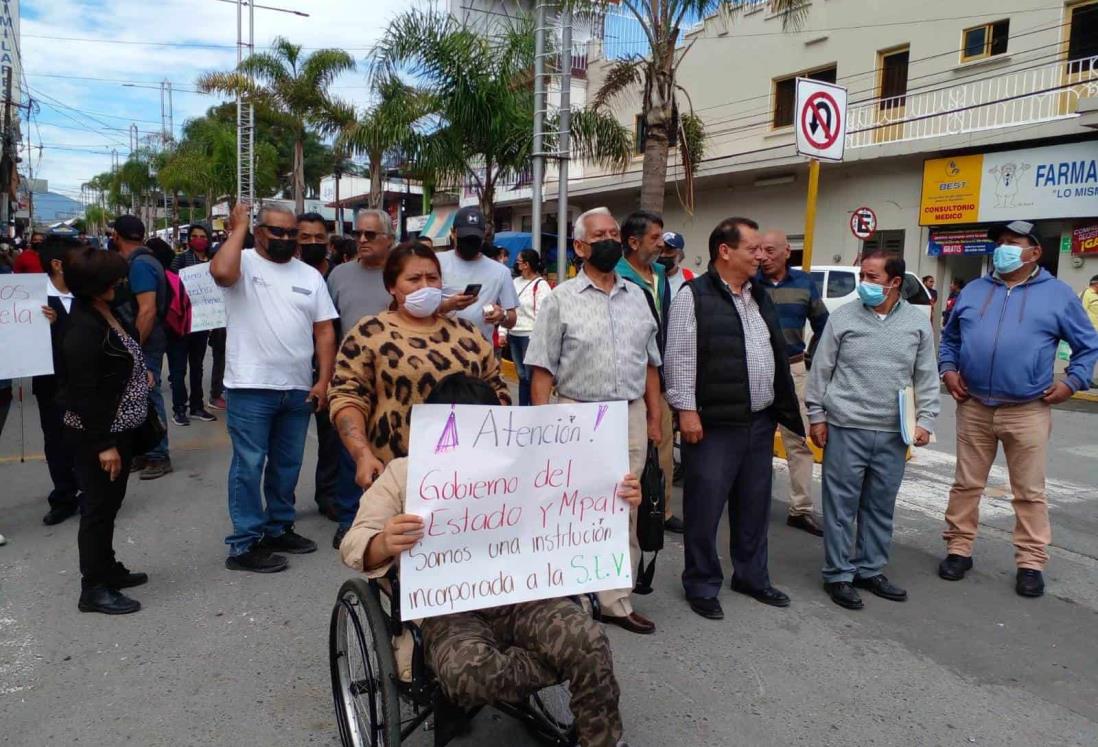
(473, 289)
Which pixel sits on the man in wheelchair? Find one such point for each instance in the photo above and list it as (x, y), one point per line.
(500, 654)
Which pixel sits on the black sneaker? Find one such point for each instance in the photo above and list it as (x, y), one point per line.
(882, 587)
(954, 567)
(256, 560)
(289, 541)
(179, 417)
(106, 600)
(337, 540)
(843, 594)
(1029, 583)
(707, 607)
(123, 578)
(139, 463)
(156, 468)
(203, 415)
(674, 525)
(57, 514)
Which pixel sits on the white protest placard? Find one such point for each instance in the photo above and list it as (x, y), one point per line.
(24, 329)
(207, 302)
(518, 504)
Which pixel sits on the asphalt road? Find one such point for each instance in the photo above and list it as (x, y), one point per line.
(220, 658)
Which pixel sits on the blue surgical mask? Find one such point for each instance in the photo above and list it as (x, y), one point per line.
(1007, 258)
(871, 294)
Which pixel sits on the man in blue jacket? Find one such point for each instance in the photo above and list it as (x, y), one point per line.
(996, 359)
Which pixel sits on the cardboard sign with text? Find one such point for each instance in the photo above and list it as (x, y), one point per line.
(207, 302)
(518, 504)
(24, 329)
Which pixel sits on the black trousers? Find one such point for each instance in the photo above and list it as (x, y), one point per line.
(60, 455)
(99, 504)
(328, 447)
(729, 466)
(185, 354)
(217, 369)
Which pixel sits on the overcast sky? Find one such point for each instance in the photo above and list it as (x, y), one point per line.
(67, 43)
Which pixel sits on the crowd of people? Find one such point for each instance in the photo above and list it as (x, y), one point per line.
(354, 332)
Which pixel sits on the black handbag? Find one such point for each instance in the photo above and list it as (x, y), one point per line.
(149, 434)
(650, 516)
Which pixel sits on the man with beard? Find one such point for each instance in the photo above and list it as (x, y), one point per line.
(275, 308)
(496, 302)
(595, 338)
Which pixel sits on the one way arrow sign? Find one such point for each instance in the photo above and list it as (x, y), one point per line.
(820, 119)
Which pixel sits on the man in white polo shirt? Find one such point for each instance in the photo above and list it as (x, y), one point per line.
(278, 313)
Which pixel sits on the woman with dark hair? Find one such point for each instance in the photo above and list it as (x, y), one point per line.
(105, 395)
(531, 289)
(392, 361)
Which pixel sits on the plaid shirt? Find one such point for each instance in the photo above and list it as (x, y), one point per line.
(681, 357)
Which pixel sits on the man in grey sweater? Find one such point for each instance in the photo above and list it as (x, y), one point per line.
(869, 352)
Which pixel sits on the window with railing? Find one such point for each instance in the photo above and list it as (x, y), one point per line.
(893, 67)
(1083, 34)
(785, 93)
(985, 40)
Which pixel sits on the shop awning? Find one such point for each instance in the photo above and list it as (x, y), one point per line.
(438, 225)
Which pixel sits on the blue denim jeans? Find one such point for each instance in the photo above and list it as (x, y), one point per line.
(154, 361)
(267, 428)
(348, 493)
(518, 357)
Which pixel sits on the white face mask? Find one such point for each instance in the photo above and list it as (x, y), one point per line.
(423, 302)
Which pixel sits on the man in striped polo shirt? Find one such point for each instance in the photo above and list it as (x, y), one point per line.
(798, 301)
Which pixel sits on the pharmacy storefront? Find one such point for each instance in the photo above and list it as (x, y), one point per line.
(1054, 187)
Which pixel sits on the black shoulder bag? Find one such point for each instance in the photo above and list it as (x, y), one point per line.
(650, 519)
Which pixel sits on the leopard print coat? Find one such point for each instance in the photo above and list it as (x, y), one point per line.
(385, 366)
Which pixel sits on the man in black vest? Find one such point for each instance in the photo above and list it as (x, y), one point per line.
(728, 377)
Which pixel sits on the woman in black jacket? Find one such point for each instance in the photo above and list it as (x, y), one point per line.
(105, 397)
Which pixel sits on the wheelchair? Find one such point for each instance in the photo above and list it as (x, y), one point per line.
(376, 707)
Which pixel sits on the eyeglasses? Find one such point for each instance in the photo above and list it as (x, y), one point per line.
(279, 232)
(368, 235)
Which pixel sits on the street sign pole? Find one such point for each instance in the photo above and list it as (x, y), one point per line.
(810, 213)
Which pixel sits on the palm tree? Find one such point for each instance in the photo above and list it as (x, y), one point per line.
(662, 22)
(479, 93)
(290, 88)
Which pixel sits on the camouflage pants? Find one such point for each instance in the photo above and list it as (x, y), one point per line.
(508, 653)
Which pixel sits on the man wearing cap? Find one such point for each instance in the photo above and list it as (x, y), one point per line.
(595, 340)
(996, 359)
(671, 257)
(188, 353)
(496, 302)
(798, 303)
(144, 304)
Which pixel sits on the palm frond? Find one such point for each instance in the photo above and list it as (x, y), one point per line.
(625, 75)
(692, 140)
(325, 65)
(600, 138)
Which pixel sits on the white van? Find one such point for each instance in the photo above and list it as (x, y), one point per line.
(838, 284)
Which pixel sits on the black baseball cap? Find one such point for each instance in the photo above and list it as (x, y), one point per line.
(1020, 227)
(469, 221)
(129, 227)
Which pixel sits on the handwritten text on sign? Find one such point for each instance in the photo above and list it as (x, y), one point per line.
(207, 303)
(24, 329)
(518, 504)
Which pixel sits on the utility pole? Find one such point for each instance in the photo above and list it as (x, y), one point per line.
(564, 140)
(538, 165)
(245, 112)
(6, 161)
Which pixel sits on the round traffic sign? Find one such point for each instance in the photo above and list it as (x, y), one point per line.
(863, 223)
(820, 117)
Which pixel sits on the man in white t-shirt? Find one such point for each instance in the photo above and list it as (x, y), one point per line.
(496, 302)
(278, 312)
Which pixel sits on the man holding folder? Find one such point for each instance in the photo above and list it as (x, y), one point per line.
(870, 354)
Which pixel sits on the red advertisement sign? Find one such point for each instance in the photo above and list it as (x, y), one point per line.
(1084, 239)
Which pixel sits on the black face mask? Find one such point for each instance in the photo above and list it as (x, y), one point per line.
(281, 250)
(314, 254)
(468, 247)
(667, 262)
(605, 254)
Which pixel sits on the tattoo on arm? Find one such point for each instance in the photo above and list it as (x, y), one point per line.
(350, 429)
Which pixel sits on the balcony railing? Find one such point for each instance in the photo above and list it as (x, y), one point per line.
(1020, 97)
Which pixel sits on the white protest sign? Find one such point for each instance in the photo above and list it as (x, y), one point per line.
(24, 329)
(518, 504)
(207, 302)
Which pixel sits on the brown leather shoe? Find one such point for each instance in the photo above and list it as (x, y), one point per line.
(634, 622)
(806, 523)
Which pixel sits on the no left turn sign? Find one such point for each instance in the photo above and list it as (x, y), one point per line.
(863, 223)
(821, 119)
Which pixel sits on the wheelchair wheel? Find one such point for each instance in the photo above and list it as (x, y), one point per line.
(364, 685)
(553, 704)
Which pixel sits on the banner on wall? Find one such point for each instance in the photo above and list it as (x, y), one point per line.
(1084, 239)
(958, 242)
(1058, 181)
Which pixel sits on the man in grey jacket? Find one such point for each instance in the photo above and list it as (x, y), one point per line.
(870, 351)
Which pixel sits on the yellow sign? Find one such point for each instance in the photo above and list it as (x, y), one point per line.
(951, 190)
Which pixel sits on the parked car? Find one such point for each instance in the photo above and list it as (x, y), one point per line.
(838, 284)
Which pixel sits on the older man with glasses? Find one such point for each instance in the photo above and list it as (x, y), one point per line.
(356, 287)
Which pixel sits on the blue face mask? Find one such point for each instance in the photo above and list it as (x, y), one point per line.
(871, 294)
(1007, 258)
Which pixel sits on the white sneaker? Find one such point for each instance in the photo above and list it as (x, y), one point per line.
(3, 540)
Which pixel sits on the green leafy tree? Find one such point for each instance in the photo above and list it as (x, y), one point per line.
(288, 87)
(655, 74)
